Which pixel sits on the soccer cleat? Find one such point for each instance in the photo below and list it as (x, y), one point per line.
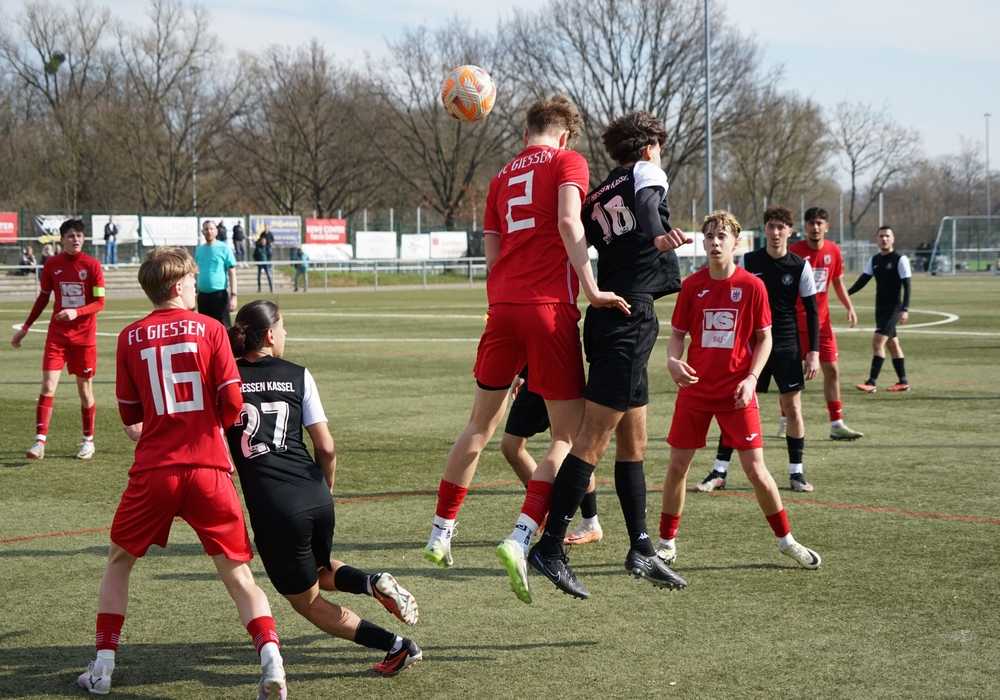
(844, 433)
(86, 450)
(715, 480)
(438, 551)
(36, 451)
(653, 570)
(668, 555)
(899, 386)
(798, 482)
(806, 558)
(97, 678)
(781, 434)
(556, 569)
(867, 388)
(407, 655)
(396, 599)
(585, 534)
(272, 682)
(511, 555)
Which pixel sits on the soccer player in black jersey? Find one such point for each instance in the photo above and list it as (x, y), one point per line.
(288, 492)
(624, 219)
(787, 278)
(892, 278)
(529, 417)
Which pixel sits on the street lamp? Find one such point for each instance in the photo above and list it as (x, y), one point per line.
(708, 121)
(988, 203)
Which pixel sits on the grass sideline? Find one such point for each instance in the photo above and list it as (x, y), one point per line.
(902, 606)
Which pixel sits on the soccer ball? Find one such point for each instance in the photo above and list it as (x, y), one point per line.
(468, 93)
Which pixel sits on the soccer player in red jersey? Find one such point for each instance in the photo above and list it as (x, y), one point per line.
(725, 310)
(828, 271)
(536, 252)
(78, 281)
(178, 387)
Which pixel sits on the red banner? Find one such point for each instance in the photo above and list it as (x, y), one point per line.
(326, 231)
(8, 226)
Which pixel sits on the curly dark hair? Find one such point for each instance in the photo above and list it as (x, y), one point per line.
(554, 113)
(779, 213)
(627, 135)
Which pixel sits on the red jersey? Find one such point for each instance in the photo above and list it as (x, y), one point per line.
(173, 363)
(827, 266)
(522, 207)
(722, 317)
(77, 281)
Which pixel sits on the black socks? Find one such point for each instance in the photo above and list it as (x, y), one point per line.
(568, 491)
(630, 483)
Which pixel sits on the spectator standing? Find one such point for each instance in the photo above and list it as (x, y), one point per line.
(111, 244)
(215, 264)
(301, 269)
(239, 244)
(262, 254)
(222, 232)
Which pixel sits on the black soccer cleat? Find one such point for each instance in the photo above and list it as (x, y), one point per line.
(409, 653)
(556, 569)
(653, 570)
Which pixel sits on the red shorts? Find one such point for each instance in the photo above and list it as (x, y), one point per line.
(827, 342)
(740, 428)
(80, 360)
(545, 336)
(204, 497)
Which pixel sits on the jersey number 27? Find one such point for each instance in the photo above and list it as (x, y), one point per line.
(253, 422)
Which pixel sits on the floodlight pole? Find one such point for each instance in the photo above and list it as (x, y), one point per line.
(988, 203)
(708, 121)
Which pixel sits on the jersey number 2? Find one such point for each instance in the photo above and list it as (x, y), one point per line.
(253, 449)
(524, 199)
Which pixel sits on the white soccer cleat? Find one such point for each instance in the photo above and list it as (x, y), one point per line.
(36, 451)
(272, 682)
(438, 551)
(511, 555)
(97, 678)
(806, 558)
(668, 555)
(396, 599)
(86, 450)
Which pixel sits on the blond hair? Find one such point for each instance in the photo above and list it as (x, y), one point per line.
(161, 270)
(722, 220)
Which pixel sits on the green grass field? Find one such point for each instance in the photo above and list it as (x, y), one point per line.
(907, 521)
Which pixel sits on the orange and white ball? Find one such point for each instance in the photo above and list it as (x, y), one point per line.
(468, 93)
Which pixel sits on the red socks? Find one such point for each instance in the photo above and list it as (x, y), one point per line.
(836, 410)
(450, 497)
(88, 420)
(779, 523)
(109, 629)
(262, 631)
(43, 414)
(668, 525)
(537, 500)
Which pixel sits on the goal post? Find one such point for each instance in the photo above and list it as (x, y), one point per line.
(969, 243)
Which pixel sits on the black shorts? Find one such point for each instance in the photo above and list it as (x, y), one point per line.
(618, 349)
(528, 415)
(216, 305)
(293, 549)
(886, 319)
(786, 368)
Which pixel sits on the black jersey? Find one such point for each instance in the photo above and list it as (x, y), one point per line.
(278, 475)
(889, 272)
(628, 262)
(786, 278)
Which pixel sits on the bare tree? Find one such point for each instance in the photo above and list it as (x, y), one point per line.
(780, 151)
(58, 54)
(436, 157)
(612, 56)
(874, 150)
(296, 144)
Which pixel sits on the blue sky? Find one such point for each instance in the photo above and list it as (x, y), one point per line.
(935, 64)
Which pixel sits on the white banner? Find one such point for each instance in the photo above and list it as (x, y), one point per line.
(370, 245)
(449, 244)
(170, 230)
(128, 228)
(415, 246)
(327, 252)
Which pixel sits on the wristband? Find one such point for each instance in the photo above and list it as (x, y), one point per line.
(751, 374)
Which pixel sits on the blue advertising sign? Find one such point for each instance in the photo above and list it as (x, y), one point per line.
(287, 230)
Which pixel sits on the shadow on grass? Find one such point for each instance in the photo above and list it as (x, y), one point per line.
(16, 462)
(181, 549)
